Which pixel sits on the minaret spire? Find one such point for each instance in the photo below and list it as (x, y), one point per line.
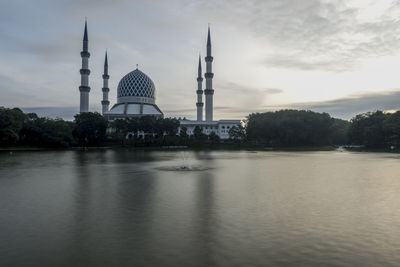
(199, 72)
(208, 42)
(85, 72)
(85, 34)
(199, 92)
(106, 65)
(209, 91)
(105, 103)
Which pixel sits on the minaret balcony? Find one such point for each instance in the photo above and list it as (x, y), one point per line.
(85, 54)
(209, 75)
(199, 92)
(199, 104)
(209, 59)
(106, 76)
(84, 71)
(209, 91)
(83, 88)
(105, 89)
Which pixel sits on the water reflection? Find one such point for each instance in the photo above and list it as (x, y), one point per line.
(119, 208)
(205, 220)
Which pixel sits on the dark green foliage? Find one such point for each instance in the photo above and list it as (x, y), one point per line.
(375, 129)
(285, 128)
(45, 132)
(237, 133)
(198, 136)
(197, 132)
(338, 133)
(392, 129)
(11, 122)
(294, 128)
(90, 129)
(183, 133)
(156, 131)
(8, 137)
(214, 138)
(17, 128)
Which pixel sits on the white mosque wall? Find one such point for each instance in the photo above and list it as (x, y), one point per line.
(133, 109)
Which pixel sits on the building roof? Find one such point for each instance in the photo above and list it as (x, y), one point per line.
(136, 84)
(134, 109)
(205, 123)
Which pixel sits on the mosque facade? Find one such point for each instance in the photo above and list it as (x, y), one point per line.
(136, 95)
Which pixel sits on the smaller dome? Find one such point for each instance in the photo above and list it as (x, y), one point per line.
(136, 87)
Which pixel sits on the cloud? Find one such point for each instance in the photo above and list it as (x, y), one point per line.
(248, 96)
(273, 91)
(348, 107)
(333, 36)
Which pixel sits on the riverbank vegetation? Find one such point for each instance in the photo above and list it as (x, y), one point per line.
(279, 129)
(375, 130)
(293, 128)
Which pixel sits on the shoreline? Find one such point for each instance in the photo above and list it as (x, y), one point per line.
(226, 148)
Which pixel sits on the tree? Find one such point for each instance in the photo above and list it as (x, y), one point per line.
(119, 129)
(171, 126)
(214, 138)
(237, 133)
(11, 122)
(8, 137)
(90, 129)
(391, 128)
(183, 133)
(46, 132)
(368, 129)
(291, 128)
(197, 132)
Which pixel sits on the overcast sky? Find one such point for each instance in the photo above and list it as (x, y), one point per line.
(340, 57)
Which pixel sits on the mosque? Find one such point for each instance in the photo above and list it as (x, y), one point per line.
(136, 95)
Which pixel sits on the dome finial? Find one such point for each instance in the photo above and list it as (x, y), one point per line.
(137, 66)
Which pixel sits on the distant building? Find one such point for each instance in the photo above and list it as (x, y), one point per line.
(136, 95)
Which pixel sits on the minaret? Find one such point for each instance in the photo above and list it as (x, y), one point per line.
(105, 103)
(84, 88)
(199, 92)
(209, 91)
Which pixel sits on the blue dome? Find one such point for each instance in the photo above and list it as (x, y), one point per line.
(136, 85)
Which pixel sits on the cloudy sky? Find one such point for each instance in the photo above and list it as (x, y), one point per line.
(341, 57)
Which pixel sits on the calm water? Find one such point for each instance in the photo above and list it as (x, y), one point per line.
(133, 208)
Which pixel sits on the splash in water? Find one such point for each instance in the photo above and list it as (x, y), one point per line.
(183, 168)
(184, 164)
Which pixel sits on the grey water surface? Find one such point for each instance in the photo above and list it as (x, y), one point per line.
(182, 208)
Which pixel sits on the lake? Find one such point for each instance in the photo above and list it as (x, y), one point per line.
(187, 208)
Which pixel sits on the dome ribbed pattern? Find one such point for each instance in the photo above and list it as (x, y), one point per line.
(136, 83)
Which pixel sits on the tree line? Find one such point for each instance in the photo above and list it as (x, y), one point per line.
(375, 130)
(284, 128)
(92, 130)
(291, 128)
